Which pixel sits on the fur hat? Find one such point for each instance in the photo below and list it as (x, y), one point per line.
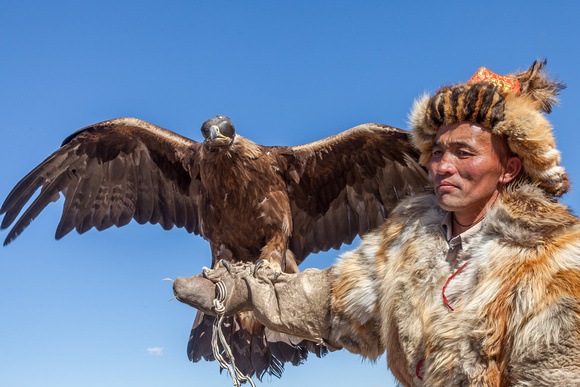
(510, 106)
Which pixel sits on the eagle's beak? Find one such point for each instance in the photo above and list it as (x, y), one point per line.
(216, 139)
(214, 133)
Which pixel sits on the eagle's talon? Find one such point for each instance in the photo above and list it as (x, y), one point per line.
(205, 272)
(258, 264)
(226, 264)
(276, 274)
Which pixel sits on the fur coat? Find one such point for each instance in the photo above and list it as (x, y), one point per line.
(513, 312)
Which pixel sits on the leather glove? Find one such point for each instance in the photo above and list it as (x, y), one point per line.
(200, 290)
(297, 304)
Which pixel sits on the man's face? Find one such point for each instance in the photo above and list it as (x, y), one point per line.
(465, 167)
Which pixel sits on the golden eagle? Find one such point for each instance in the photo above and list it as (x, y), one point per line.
(249, 201)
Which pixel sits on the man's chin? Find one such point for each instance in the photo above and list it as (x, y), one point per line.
(448, 203)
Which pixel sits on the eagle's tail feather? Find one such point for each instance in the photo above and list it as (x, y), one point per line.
(257, 351)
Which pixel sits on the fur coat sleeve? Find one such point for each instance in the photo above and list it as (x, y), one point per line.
(511, 316)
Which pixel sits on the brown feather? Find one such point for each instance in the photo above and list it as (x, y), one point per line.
(250, 201)
(374, 164)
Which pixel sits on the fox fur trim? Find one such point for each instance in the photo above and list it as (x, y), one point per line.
(516, 317)
(518, 117)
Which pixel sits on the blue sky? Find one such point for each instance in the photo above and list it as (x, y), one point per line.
(92, 310)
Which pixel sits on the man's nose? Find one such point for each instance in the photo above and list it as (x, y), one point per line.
(446, 165)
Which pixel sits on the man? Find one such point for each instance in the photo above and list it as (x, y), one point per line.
(478, 284)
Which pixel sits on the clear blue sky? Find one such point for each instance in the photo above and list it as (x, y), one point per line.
(92, 310)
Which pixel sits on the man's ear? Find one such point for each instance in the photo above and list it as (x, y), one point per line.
(513, 167)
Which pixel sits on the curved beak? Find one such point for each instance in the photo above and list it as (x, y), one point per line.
(216, 139)
(214, 133)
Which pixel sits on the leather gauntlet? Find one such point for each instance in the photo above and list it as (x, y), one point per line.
(296, 304)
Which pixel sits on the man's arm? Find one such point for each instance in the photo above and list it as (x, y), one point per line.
(298, 304)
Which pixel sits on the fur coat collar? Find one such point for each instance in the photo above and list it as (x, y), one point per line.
(512, 315)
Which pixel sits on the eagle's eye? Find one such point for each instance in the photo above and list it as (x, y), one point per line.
(205, 130)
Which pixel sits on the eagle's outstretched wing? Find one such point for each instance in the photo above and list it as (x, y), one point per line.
(126, 169)
(110, 173)
(345, 185)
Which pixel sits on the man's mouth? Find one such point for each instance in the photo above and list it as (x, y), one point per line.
(445, 186)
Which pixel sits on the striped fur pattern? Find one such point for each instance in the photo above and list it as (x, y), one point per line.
(518, 117)
(516, 317)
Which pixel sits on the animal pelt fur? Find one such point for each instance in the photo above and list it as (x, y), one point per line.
(516, 317)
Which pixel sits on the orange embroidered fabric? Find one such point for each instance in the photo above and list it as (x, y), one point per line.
(503, 82)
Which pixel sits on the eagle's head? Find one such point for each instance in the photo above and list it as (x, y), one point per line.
(218, 132)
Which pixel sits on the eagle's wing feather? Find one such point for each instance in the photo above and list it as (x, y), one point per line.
(344, 185)
(110, 173)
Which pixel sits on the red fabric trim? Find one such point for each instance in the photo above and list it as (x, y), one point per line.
(419, 368)
(450, 307)
(447, 283)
